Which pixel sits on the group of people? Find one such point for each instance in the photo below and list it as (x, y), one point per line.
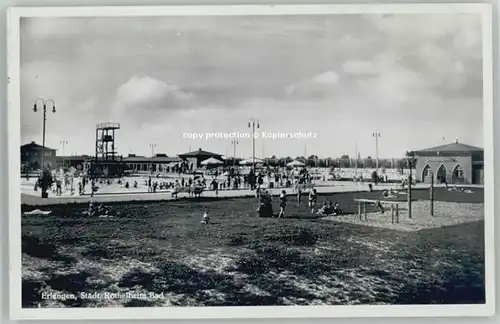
(265, 204)
(55, 182)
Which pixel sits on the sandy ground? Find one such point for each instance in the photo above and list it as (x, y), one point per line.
(445, 214)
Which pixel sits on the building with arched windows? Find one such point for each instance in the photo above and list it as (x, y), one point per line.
(454, 163)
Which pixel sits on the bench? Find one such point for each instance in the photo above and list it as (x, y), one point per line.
(394, 206)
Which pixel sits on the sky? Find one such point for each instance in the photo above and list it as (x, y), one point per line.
(414, 78)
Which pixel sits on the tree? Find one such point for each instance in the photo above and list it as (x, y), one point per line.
(369, 162)
(345, 161)
(312, 160)
(411, 159)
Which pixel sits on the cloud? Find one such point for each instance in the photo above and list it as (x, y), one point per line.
(318, 85)
(360, 68)
(146, 94)
(162, 76)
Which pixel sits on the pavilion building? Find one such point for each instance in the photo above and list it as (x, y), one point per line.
(196, 157)
(454, 163)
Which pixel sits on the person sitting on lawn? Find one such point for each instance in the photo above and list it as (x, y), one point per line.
(336, 209)
(326, 209)
(205, 219)
(322, 209)
(389, 193)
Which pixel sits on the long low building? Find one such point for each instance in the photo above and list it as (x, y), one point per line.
(157, 163)
(454, 163)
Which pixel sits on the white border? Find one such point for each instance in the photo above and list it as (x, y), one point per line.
(13, 53)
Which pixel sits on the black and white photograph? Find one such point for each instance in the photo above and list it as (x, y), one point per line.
(301, 156)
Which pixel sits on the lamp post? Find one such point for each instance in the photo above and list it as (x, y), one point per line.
(253, 124)
(63, 153)
(152, 146)
(234, 143)
(376, 136)
(44, 103)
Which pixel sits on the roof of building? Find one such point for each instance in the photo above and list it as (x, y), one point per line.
(199, 152)
(74, 157)
(452, 147)
(35, 145)
(158, 159)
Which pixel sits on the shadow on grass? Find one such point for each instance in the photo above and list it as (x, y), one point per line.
(33, 246)
(116, 251)
(290, 236)
(210, 288)
(31, 293)
(462, 286)
(71, 283)
(271, 258)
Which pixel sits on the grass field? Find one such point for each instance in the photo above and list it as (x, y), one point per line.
(240, 259)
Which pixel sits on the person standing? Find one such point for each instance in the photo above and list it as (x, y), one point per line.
(282, 204)
(299, 193)
(313, 197)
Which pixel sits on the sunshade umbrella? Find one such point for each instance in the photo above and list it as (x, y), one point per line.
(295, 164)
(212, 161)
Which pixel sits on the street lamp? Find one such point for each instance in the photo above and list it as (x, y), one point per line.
(234, 143)
(63, 154)
(152, 146)
(253, 124)
(377, 136)
(44, 103)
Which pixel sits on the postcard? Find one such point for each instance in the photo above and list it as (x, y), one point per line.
(251, 161)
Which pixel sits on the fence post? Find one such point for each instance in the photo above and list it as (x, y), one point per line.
(432, 195)
(409, 195)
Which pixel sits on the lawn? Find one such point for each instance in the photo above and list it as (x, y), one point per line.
(240, 259)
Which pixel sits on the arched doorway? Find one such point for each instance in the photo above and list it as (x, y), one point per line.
(458, 175)
(427, 174)
(441, 174)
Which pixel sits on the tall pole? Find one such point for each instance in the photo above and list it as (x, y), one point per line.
(305, 154)
(44, 103)
(377, 136)
(409, 188)
(63, 153)
(432, 194)
(253, 124)
(152, 146)
(356, 156)
(234, 142)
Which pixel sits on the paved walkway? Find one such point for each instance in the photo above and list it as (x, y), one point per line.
(32, 199)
